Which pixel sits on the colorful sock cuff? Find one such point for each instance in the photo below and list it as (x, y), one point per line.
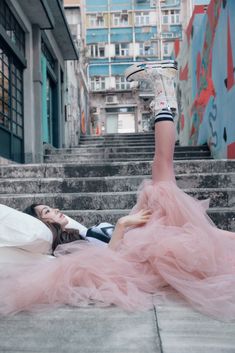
(164, 114)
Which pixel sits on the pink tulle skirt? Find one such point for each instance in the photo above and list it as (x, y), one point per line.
(179, 247)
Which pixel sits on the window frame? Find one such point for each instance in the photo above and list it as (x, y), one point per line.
(11, 94)
(123, 49)
(143, 52)
(97, 83)
(117, 17)
(95, 50)
(142, 18)
(94, 22)
(121, 83)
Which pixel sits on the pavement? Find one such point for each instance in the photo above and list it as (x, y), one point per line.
(170, 327)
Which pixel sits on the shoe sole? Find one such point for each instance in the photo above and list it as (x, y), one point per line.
(164, 64)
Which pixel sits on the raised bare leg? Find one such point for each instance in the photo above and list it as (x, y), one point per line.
(161, 76)
(162, 167)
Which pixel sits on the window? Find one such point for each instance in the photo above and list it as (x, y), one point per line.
(175, 17)
(165, 17)
(171, 17)
(166, 49)
(171, 34)
(146, 122)
(146, 49)
(121, 83)
(97, 51)
(12, 27)
(97, 83)
(48, 55)
(122, 49)
(11, 95)
(96, 20)
(142, 18)
(120, 19)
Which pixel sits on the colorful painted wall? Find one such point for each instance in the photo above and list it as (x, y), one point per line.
(206, 88)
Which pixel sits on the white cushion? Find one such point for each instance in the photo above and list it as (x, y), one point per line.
(76, 225)
(23, 231)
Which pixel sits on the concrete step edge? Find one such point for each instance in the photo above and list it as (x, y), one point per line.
(114, 211)
(110, 193)
(111, 177)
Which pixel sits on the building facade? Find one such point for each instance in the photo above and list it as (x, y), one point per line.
(118, 34)
(35, 41)
(76, 87)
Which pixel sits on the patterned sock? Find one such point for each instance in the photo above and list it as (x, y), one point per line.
(164, 114)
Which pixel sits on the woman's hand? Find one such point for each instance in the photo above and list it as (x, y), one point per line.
(136, 219)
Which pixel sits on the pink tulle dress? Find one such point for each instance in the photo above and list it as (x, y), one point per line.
(179, 247)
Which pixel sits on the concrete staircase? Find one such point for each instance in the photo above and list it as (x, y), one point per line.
(119, 147)
(95, 188)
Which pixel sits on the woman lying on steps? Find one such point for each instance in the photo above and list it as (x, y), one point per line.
(167, 240)
(65, 232)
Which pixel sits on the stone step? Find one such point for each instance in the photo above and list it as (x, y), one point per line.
(126, 136)
(223, 217)
(94, 162)
(109, 200)
(135, 140)
(83, 157)
(70, 170)
(119, 149)
(115, 143)
(109, 184)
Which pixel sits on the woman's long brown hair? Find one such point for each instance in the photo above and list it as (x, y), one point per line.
(63, 236)
(60, 236)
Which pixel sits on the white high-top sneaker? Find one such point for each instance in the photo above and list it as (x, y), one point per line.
(161, 75)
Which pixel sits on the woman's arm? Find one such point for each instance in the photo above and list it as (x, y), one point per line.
(137, 219)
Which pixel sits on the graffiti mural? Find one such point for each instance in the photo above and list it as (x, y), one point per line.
(206, 88)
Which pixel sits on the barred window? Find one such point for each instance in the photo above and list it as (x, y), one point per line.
(11, 94)
(12, 27)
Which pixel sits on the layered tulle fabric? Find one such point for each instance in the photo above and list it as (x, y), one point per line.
(179, 247)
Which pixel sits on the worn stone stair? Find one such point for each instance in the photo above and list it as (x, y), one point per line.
(104, 190)
(126, 147)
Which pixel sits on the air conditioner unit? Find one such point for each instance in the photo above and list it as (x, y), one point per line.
(111, 99)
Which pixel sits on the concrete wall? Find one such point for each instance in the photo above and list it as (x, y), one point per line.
(73, 114)
(76, 88)
(206, 88)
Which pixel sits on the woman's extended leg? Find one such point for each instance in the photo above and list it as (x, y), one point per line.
(162, 167)
(161, 76)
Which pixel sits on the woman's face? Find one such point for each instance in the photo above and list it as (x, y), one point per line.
(51, 215)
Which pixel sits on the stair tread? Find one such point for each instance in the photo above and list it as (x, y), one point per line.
(112, 177)
(113, 192)
(116, 210)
